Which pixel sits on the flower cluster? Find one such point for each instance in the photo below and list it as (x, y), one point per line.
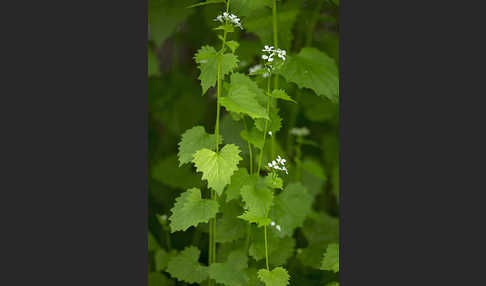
(271, 51)
(230, 18)
(279, 165)
(276, 226)
(299, 131)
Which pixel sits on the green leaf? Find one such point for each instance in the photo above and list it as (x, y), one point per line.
(161, 258)
(168, 172)
(217, 168)
(277, 277)
(254, 137)
(233, 45)
(239, 79)
(319, 230)
(258, 199)
(330, 261)
(208, 60)
(206, 3)
(281, 94)
(159, 279)
(242, 100)
(185, 266)
(275, 121)
(313, 69)
(153, 64)
(231, 272)
(190, 210)
(193, 140)
(229, 227)
(238, 180)
(273, 182)
(228, 28)
(164, 16)
(291, 208)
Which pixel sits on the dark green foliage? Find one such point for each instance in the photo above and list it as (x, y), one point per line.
(184, 167)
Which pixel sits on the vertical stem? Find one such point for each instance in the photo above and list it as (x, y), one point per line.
(275, 43)
(249, 145)
(266, 126)
(266, 247)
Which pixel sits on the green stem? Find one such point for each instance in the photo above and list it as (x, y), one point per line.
(266, 247)
(266, 126)
(249, 145)
(275, 83)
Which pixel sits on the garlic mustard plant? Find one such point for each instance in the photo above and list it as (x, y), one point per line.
(256, 156)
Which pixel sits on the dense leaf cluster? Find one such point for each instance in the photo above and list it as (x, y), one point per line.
(210, 185)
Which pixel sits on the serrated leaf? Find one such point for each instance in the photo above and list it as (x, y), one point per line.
(208, 60)
(313, 176)
(217, 168)
(281, 94)
(233, 45)
(275, 121)
(185, 266)
(190, 210)
(330, 261)
(241, 99)
(254, 137)
(229, 227)
(193, 140)
(258, 198)
(313, 69)
(291, 208)
(238, 180)
(277, 277)
(231, 272)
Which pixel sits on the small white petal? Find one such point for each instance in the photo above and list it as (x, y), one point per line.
(270, 59)
(273, 223)
(264, 57)
(270, 133)
(278, 227)
(269, 165)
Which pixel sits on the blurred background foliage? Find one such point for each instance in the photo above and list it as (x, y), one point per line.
(176, 104)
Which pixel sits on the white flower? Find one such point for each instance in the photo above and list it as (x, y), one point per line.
(278, 227)
(271, 51)
(232, 18)
(279, 164)
(273, 223)
(270, 133)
